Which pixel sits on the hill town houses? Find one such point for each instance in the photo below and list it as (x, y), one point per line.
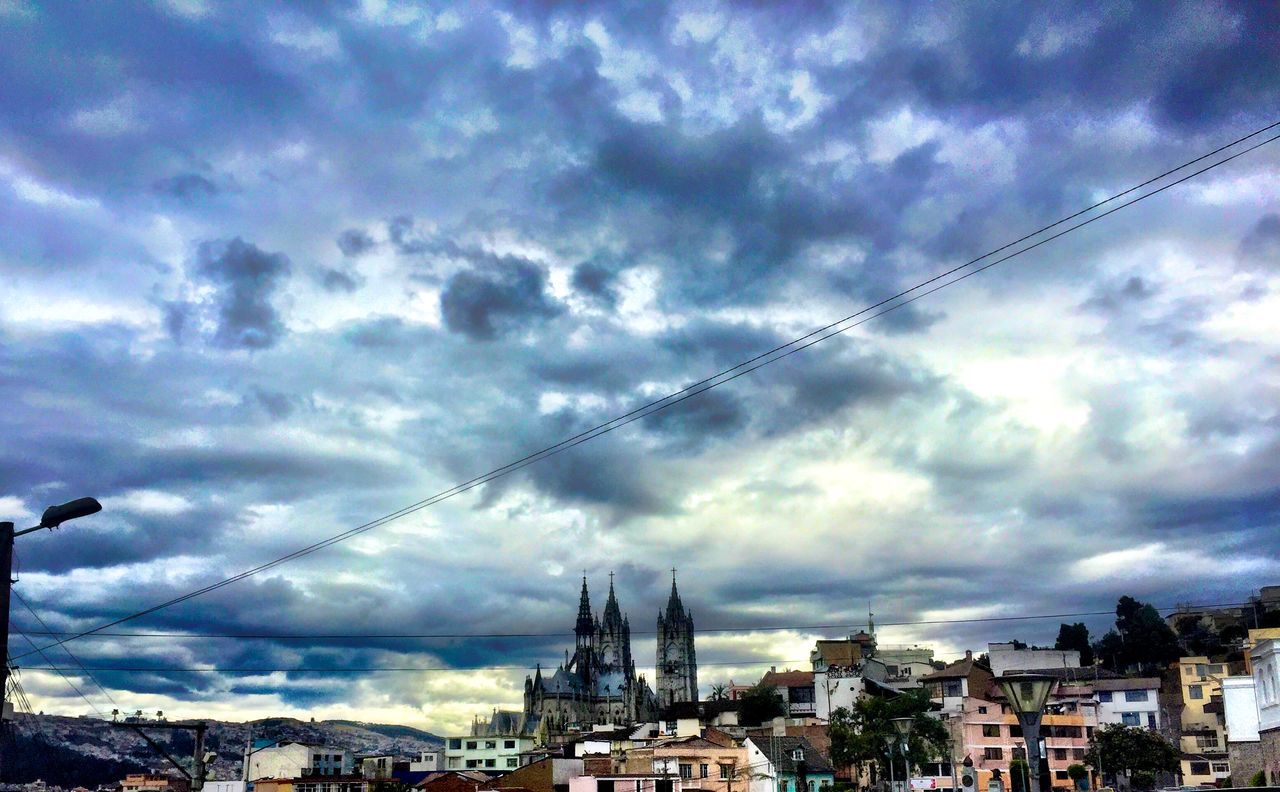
(593, 724)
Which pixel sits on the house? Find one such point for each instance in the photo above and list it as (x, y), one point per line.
(428, 761)
(786, 764)
(796, 688)
(1203, 741)
(154, 782)
(332, 783)
(962, 679)
(625, 782)
(492, 752)
(466, 781)
(843, 652)
(1131, 701)
(713, 762)
(548, 775)
(273, 785)
(1264, 657)
(289, 759)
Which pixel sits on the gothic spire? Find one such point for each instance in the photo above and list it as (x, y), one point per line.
(586, 624)
(612, 613)
(675, 608)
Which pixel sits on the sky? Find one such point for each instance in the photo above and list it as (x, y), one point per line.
(274, 270)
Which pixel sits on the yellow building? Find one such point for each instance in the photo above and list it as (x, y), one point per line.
(1204, 735)
(703, 763)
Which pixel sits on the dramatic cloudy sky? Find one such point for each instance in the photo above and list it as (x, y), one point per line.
(271, 271)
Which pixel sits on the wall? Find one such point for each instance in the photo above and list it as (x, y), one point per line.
(835, 688)
(496, 752)
(1113, 711)
(293, 760)
(1241, 709)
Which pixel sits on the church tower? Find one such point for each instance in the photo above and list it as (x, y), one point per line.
(677, 662)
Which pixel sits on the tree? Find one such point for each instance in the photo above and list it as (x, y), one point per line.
(1141, 753)
(1075, 636)
(862, 733)
(1141, 639)
(718, 693)
(1019, 775)
(1197, 638)
(761, 703)
(1077, 773)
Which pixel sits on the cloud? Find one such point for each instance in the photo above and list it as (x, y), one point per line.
(505, 296)
(1261, 246)
(355, 242)
(246, 278)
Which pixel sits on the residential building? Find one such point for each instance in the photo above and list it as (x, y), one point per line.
(332, 783)
(377, 765)
(677, 662)
(222, 786)
(712, 762)
(958, 681)
(466, 781)
(273, 785)
(903, 665)
(844, 652)
(154, 782)
(796, 688)
(786, 764)
(1264, 657)
(493, 753)
(1240, 711)
(625, 782)
(1203, 741)
(287, 759)
(1130, 701)
(734, 691)
(428, 761)
(599, 683)
(1254, 637)
(547, 775)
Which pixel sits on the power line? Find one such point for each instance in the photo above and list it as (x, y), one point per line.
(366, 669)
(65, 648)
(568, 633)
(746, 367)
(63, 674)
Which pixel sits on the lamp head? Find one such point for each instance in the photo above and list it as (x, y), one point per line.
(80, 507)
(903, 725)
(1027, 693)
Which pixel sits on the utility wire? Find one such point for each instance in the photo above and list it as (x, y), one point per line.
(725, 376)
(565, 634)
(74, 659)
(63, 673)
(366, 669)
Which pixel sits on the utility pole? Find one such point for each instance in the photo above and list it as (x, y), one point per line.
(201, 758)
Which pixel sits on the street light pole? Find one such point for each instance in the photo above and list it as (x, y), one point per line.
(893, 783)
(52, 518)
(1027, 695)
(903, 727)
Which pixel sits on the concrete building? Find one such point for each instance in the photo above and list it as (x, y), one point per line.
(1203, 742)
(331, 783)
(784, 764)
(625, 782)
(494, 753)
(1240, 711)
(294, 760)
(1005, 658)
(699, 762)
(1264, 657)
(552, 774)
(796, 689)
(428, 761)
(1132, 702)
(154, 782)
(967, 678)
(843, 652)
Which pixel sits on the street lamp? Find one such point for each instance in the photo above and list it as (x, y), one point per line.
(52, 518)
(903, 727)
(888, 744)
(1027, 695)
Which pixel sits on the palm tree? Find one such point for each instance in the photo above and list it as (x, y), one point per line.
(718, 693)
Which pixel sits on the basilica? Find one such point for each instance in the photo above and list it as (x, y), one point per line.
(598, 684)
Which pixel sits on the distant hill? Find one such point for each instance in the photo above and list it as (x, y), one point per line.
(87, 751)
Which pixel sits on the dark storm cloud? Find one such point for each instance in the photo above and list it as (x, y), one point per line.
(1260, 248)
(355, 242)
(597, 281)
(247, 278)
(1114, 300)
(505, 296)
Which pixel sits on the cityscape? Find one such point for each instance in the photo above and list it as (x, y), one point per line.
(639, 396)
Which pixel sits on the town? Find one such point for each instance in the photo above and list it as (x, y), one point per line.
(1189, 700)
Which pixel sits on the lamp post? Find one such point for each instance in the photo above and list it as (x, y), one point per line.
(903, 727)
(53, 517)
(1027, 695)
(888, 744)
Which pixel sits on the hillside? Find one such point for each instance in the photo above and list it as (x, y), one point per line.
(86, 751)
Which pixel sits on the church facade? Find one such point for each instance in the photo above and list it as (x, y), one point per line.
(677, 667)
(598, 684)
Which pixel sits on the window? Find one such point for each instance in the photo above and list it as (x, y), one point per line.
(1190, 670)
(1059, 754)
(992, 753)
(1131, 718)
(1015, 730)
(512, 762)
(990, 730)
(726, 772)
(1135, 695)
(797, 755)
(455, 745)
(1077, 754)
(811, 786)
(473, 763)
(1199, 768)
(785, 785)
(490, 762)
(1196, 692)
(1104, 696)
(471, 745)
(704, 770)
(686, 771)
(1221, 767)
(489, 745)
(982, 710)
(1151, 720)
(1061, 775)
(671, 726)
(952, 688)
(1019, 753)
(891, 670)
(455, 761)
(317, 758)
(508, 743)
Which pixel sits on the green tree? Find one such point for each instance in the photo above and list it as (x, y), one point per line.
(1143, 754)
(1019, 775)
(1141, 639)
(1075, 636)
(761, 703)
(862, 733)
(718, 693)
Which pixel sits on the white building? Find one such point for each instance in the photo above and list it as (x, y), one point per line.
(494, 752)
(1004, 658)
(835, 687)
(1264, 657)
(223, 786)
(428, 761)
(293, 759)
(1133, 702)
